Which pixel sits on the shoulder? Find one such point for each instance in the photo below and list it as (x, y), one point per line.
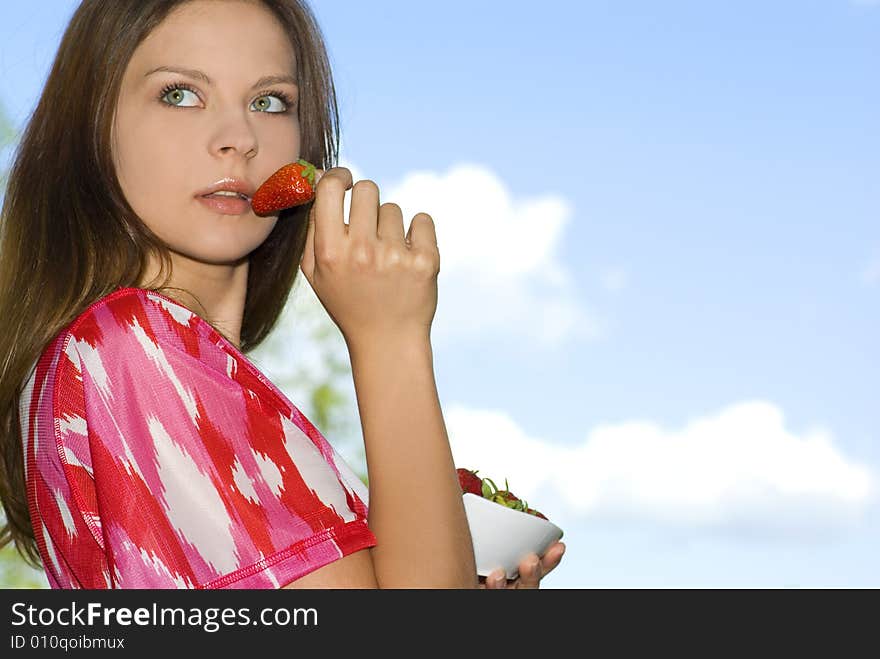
(141, 314)
(135, 322)
(134, 337)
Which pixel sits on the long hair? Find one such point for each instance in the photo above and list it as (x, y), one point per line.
(67, 234)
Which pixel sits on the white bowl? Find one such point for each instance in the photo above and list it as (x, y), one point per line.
(503, 536)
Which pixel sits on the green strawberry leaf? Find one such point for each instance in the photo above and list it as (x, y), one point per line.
(487, 491)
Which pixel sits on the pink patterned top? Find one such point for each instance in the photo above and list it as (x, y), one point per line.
(158, 456)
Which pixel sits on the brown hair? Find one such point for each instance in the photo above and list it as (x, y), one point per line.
(67, 235)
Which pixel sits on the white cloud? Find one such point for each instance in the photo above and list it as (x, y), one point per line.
(737, 471)
(499, 272)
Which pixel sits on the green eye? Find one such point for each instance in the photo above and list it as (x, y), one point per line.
(176, 94)
(269, 104)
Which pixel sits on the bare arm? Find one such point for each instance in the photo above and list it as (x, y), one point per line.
(352, 571)
(416, 508)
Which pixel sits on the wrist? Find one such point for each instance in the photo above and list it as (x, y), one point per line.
(403, 344)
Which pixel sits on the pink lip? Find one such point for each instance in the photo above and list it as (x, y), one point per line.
(232, 184)
(228, 205)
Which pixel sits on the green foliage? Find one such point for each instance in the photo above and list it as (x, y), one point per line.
(8, 134)
(8, 137)
(15, 572)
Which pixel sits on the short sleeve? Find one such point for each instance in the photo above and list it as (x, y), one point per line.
(199, 478)
(58, 473)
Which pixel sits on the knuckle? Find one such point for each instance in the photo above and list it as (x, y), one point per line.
(423, 265)
(362, 256)
(392, 256)
(326, 256)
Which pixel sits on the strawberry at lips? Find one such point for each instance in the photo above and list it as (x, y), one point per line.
(292, 185)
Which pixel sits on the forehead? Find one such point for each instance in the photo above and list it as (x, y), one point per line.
(218, 36)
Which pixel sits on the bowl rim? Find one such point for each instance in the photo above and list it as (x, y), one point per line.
(538, 520)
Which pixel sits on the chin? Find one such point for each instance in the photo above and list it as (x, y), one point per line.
(224, 256)
(224, 247)
(230, 253)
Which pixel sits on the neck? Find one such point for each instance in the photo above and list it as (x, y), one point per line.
(217, 293)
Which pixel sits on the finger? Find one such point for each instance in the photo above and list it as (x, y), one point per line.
(552, 557)
(307, 263)
(497, 579)
(391, 223)
(421, 233)
(364, 215)
(530, 572)
(329, 212)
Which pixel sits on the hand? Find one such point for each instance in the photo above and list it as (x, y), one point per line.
(531, 571)
(374, 282)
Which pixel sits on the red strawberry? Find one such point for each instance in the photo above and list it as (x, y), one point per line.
(469, 481)
(532, 511)
(292, 185)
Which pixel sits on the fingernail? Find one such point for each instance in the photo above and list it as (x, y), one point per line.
(533, 566)
(499, 580)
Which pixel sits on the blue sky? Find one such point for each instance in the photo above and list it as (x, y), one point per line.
(660, 262)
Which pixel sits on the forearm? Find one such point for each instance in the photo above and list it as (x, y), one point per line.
(415, 509)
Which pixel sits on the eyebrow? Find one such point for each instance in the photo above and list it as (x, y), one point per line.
(200, 75)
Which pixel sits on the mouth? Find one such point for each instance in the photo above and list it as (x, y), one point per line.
(229, 186)
(237, 204)
(230, 195)
(227, 195)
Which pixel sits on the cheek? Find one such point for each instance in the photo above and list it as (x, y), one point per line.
(280, 140)
(150, 165)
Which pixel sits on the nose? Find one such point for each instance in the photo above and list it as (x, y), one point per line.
(234, 135)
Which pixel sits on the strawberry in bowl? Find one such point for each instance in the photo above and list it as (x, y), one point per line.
(504, 529)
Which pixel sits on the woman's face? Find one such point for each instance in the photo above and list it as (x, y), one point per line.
(171, 142)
